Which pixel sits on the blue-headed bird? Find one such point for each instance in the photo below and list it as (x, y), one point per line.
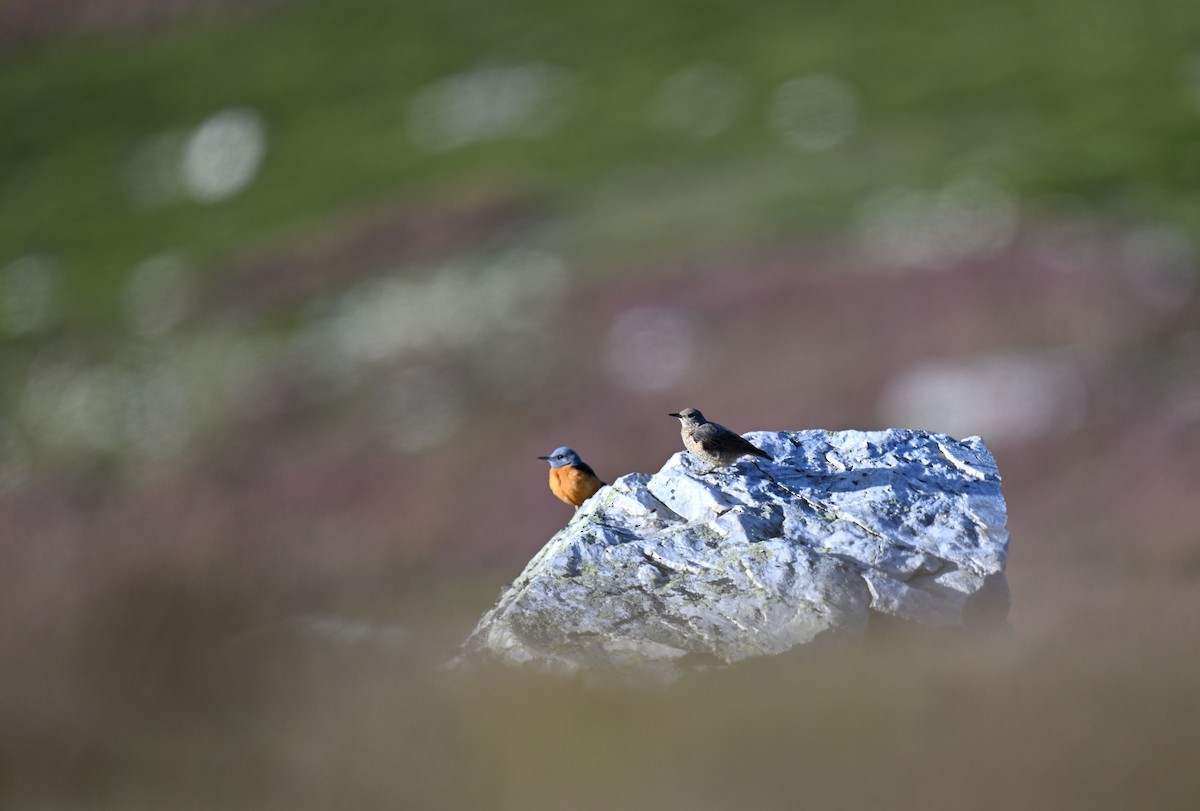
(571, 479)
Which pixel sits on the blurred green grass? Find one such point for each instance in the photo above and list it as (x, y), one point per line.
(1096, 100)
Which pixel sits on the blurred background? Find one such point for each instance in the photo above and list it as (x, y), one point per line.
(293, 292)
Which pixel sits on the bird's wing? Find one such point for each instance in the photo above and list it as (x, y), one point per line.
(584, 467)
(718, 438)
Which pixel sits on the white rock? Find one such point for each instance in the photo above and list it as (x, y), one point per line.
(680, 570)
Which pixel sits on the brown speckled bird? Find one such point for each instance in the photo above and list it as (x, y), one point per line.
(571, 479)
(711, 442)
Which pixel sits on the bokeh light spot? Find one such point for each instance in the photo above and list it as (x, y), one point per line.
(976, 217)
(999, 397)
(223, 155)
(895, 227)
(462, 303)
(814, 112)
(700, 101)
(488, 103)
(904, 228)
(73, 407)
(650, 348)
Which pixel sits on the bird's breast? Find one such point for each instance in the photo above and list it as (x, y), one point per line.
(572, 485)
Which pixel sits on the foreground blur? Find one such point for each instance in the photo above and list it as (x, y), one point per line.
(162, 709)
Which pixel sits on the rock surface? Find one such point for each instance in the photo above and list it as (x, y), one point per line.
(681, 570)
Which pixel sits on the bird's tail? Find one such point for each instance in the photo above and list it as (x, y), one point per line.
(762, 454)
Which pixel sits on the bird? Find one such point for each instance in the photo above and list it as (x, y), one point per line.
(712, 442)
(571, 479)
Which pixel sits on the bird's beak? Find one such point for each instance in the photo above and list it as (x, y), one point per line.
(543, 457)
(673, 415)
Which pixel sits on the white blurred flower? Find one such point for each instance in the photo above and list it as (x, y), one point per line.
(488, 103)
(222, 156)
(814, 112)
(73, 407)
(463, 303)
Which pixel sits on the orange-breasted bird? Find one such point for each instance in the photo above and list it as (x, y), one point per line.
(571, 479)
